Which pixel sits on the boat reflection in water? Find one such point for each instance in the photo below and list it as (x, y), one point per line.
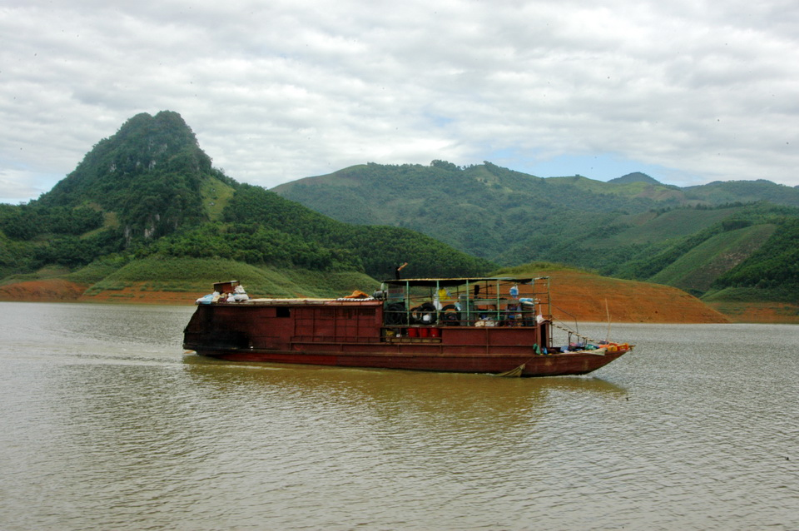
(423, 402)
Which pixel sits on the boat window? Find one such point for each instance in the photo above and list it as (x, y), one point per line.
(283, 311)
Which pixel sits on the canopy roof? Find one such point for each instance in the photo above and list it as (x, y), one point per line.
(432, 282)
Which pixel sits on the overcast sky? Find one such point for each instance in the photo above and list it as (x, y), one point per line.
(687, 91)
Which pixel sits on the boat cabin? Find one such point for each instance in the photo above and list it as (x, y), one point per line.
(415, 305)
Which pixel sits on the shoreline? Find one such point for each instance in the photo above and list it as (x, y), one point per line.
(578, 298)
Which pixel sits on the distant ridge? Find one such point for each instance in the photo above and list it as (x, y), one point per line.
(635, 177)
(699, 239)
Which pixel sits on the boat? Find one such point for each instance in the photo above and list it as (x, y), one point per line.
(494, 325)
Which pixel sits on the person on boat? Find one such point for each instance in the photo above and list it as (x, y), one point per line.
(399, 268)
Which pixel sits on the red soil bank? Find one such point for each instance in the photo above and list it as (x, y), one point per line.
(50, 290)
(575, 295)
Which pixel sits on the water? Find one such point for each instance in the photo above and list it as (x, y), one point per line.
(106, 424)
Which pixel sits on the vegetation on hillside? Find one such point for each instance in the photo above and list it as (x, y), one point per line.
(150, 192)
(484, 210)
(197, 275)
(261, 227)
(632, 227)
(774, 266)
(148, 198)
(150, 174)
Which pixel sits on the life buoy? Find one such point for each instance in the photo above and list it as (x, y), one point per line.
(396, 314)
(450, 315)
(424, 314)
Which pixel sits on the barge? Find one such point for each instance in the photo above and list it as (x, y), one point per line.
(495, 325)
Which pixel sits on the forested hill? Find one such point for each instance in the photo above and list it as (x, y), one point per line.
(149, 196)
(150, 192)
(152, 174)
(700, 238)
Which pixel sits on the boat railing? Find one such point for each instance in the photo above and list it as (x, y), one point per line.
(499, 301)
(450, 317)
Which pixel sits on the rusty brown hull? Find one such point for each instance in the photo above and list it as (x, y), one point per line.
(534, 365)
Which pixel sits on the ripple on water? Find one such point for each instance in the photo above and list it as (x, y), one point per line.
(694, 430)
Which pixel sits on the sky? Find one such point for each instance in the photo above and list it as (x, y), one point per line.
(686, 91)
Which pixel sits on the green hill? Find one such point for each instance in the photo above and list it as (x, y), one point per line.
(483, 210)
(744, 192)
(632, 227)
(143, 279)
(698, 269)
(148, 198)
(152, 174)
(635, 177)
(145, 211)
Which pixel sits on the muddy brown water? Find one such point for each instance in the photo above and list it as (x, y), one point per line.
(107, 424)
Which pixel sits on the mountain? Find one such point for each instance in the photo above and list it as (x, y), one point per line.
(152, 174)
(483, 210)
(149, 194)
(632, 227)
(635, 177)
(146, 213)
(743, 192)
(148, 180)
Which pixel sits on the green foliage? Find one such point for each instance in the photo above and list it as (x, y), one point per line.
(485, 210)
(99, 269)
(193, 274)
(215, 193)
(633, 227)
(15, 257)
(718, 193)
(149, 195)
(322, 243)
(252, 243)
(775, 265)
(382, 249)
(150, 174)
(696, 260)
(71, 251)
(649, 266)
(697, 269)
(533, 268)
(25, 222)
(158, 193)
(752, 295)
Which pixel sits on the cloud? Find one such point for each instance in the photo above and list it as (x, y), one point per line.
(691, 91)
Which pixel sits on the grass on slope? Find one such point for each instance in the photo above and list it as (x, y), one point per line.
(96, 271)
(535, 269)
(47, 272)
(198, 275)
(750, 295)
(696, 270)
(672, 224)
(215, 197)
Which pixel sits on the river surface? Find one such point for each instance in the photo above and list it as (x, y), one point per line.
(105, 423)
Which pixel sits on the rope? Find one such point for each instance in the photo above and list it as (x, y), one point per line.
(572, 332)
